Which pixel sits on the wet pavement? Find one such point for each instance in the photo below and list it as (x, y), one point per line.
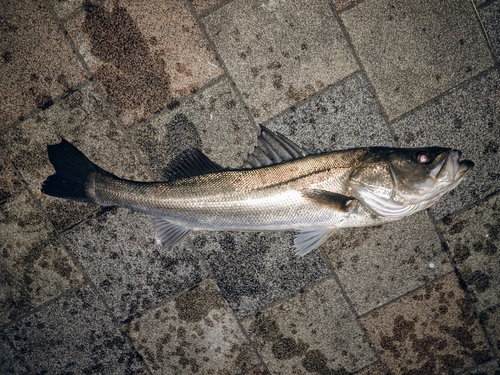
(87, 290)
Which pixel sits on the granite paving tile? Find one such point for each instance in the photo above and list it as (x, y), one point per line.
(254, 270)
(75, 334)
(34, 266)
(377, 264)
(83, 119)
(213, 120)
(467, 119)
(490, 16)
(64, 8)
(488, 368)
(432, 331)
(11, 362)
(490, 319)
(415, 50)
(344, 116)
(279, 53)
(204, 6)
(119, 252)
(473, 237)
(145, 54)
(258, 371)
(342, 4)
(375, 369)
(313, 332)
(10, 182)
(37, 63)
(194, 333)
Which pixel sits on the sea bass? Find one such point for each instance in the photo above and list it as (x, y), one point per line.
(281, 186)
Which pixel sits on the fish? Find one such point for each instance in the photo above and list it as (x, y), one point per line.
(280, 187)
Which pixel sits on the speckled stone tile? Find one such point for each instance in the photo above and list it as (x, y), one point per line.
(473, 238)
(213, 121)
(37, 63)
(145, 54)
(490, 319)
(489, 368)
(279, 53)
(313, 332)
(432, 331)
(254, 270)
(11, 362)
(75, 334)
(119, 253)
(34, 266)
(204, 6)
(258, 371)
(375, 369)
(415, 50)
(344, 116)
(83, 119)
(490, 16)
(467, 119)
(194, 333)
(342, 4)
(64, 8)
(10, 182)
(377, 264)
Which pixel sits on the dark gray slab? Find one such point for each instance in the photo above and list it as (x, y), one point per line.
(280, 52)
(490, 15)
(253, 270)
(119, 253)
(344, 116)
(11, 361)
(467, 119)
(415, 50)
(34, 265)
(75, 334)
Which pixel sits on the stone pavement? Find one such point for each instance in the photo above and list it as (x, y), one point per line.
(85, 290)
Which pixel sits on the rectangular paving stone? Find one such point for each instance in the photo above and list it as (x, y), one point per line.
(346, 115)
(83, 119)
(119, 253)
(467, 119)
(213, 120)
(279, 53)
(313, 332)
(415, 50)
(490, 16)
(76, 335)
(491, 367)
(195, 333)
(145, 54)
(37, 62)
(34, 266)
(490, 319)
(10, 362)
(378, 264)
(64, 8)
(473, 237)
(254, 270)
(431, 331)
(10, 182)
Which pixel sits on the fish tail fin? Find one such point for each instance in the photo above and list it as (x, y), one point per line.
(73, 170)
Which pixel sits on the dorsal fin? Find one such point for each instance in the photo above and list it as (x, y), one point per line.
(189, 163)
(273, 148)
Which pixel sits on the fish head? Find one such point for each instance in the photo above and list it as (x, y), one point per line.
(394, 183)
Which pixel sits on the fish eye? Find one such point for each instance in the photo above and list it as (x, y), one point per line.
(423, 158)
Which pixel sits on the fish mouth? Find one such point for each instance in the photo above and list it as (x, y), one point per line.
(452, 170)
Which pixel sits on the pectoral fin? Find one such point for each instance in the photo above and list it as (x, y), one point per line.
(169, 234)
(339, 202)
(310, 239)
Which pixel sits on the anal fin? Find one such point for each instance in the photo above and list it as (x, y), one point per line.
(169, 234)
(310, 239)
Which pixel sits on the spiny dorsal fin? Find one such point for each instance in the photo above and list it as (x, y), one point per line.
(191, 162)
(273, 148)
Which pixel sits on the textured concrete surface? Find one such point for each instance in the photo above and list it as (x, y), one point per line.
(87, 290)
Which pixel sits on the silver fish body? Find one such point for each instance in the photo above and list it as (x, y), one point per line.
(282, 187)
